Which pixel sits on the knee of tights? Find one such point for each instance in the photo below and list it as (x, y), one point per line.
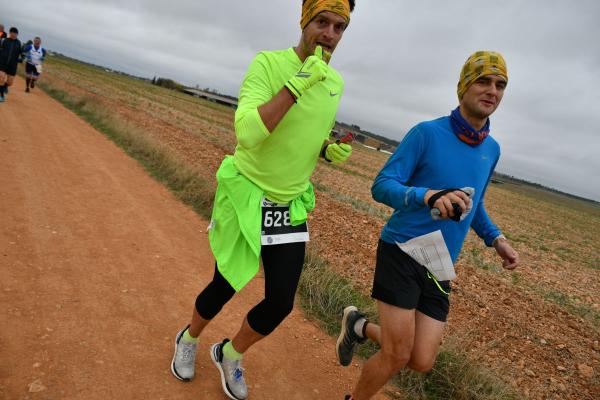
(280, 308)
(266, 317)
(205, 311)
(210, 302)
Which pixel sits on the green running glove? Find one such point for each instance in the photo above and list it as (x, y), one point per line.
(338, 153)
(313, 70)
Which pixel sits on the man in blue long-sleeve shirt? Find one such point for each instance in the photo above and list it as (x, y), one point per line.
(435, 181)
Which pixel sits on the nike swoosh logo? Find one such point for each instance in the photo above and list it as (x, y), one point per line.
(332, 94)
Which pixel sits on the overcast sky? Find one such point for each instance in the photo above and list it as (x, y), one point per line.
(400, 60)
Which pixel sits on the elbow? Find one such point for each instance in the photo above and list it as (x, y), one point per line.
(250, 133)
(381, 195)
(245, 140)
(376, 191)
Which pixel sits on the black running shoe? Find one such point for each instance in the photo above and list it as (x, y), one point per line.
(348, 339)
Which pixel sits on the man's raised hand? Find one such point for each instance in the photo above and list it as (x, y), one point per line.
(313, 70)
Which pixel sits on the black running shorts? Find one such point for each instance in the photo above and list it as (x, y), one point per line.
(31, 70)
(402, 282)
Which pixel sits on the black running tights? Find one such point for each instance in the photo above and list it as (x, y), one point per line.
(282, 265)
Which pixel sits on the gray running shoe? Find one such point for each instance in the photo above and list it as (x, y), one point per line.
(348, 339)
(232, 374)
(184, 359)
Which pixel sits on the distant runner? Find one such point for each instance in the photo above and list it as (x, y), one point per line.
(10, 57)
(2, 33)
(287, 107)
(34, 54)
(436, 182)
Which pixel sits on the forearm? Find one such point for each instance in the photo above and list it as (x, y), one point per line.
(275, 109)
(396, 195)
(253, 125)
(392, 185)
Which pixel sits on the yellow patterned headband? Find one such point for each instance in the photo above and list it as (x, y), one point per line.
(479, 64)
(311, 8)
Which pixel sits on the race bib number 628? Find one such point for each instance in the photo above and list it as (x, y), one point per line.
(276, 225)
(276, 218)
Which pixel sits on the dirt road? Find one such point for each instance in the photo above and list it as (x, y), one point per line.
(99, 266)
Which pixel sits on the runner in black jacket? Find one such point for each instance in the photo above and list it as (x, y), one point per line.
(10, 57)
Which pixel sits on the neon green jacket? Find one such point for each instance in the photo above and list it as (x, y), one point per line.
(234, 234)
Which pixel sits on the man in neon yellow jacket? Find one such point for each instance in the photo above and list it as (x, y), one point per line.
(287, 107)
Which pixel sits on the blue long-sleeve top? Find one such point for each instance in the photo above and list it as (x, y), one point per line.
(431, 156)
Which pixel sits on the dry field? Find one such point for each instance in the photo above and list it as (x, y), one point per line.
(539, 327)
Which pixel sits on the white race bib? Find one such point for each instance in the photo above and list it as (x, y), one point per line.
(276, 227)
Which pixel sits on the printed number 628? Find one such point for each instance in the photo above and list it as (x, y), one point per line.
(276, 219)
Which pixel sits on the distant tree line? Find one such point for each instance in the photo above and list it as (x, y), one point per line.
(168, 83)
(518, 181)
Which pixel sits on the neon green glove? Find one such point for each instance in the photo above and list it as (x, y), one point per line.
(338, 153)
(312, 71)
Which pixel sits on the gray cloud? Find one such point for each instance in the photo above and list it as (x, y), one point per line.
(400, 61)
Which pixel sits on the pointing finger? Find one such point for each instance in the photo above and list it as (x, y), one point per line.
(319, 52)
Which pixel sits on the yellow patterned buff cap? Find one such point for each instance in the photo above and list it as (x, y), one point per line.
(479, 64)
(311, 8)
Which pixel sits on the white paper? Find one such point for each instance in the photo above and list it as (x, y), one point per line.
(430, 251)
